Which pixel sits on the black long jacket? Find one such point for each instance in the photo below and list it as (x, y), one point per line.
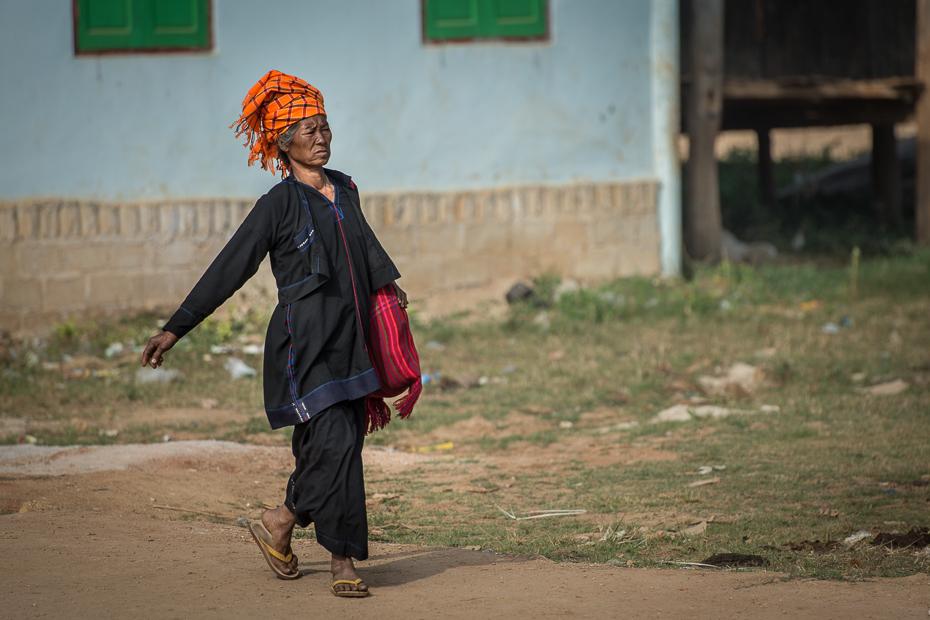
(326, 262)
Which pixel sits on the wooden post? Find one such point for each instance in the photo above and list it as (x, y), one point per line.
(886, 175)
(922, 113)
(766, 170)
(702, 221)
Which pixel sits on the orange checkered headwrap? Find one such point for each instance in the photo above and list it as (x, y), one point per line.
(276, 102)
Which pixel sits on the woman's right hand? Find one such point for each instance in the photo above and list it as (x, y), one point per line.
(158, 345)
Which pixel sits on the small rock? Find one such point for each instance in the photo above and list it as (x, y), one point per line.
(520, 291)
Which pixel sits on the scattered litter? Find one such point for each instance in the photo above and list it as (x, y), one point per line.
(49, 366)
(253, 349)
(806, 306)
(539, 514)
(684, 413)
(695, 529)
(555, 356)
(427, 378)
(740, 376)
(889, 388)
(113, 350)
(852, 540)
(432, 344)
(207, 357)
(918, 537)
(857, 377)
(238, 369)
(209, 403)
(707, 469)
(700, 483)
(566, 424)
(166, 438)
(148, 374)
(509, 368)
(735, 559)
(435, 448)
(846, 322)
(828, 512)
(830, 328)
(725, 305)
(767, 352)
(242, 521)
(483, 381)
(223, 349)
(110, 432)
(472, 548)
(27, 439)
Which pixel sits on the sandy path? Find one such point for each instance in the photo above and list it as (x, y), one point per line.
(91, 547)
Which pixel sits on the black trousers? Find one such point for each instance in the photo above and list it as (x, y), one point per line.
(327, 487)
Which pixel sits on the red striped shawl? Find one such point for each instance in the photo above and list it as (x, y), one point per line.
(394, 356)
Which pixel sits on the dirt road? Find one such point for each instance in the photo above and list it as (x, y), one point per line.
(90, 541)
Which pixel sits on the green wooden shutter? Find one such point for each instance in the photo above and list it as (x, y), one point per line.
(476, 19)
(517, 18)
(127, 25)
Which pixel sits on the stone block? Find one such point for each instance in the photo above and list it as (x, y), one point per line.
(422, 274)
(89, 215)
(509, 267)
(178, 253)
(26, 221)
(611, 231)
(594, 265)
(66, 293)
(488, 238)
(534, 237)
(85, 257)
(571, 234)
(635, 260)
(9, 265)
(465, 272)
(443, 239)
(22, 295)
(128, 256)
(114, 290)
(397, 242)
(647, 228)
(7, 224)
(128, 218)
(41, 323)
(37, 259)
(203, 219)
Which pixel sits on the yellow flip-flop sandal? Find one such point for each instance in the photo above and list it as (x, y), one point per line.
(349, 593)
(264, 539)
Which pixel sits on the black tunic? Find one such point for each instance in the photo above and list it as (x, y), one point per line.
(326, 261)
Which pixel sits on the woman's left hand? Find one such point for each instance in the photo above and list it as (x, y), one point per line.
(401, 295)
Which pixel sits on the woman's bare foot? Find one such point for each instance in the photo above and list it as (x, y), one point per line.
(280, 524)
(344, 569)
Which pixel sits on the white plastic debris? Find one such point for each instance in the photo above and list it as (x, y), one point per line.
(830, 328)
(238, 369)
(113, 350)
(851, 540)
(156, 375)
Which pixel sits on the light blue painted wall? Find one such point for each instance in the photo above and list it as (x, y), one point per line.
(405, 116)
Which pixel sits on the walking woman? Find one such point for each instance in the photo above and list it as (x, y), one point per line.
(326, 262)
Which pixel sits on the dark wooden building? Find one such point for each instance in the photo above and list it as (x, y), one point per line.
(798, 63)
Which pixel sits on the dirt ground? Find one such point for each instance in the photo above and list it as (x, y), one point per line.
(89, 537)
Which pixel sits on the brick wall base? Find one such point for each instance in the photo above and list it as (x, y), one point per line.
(61, 258)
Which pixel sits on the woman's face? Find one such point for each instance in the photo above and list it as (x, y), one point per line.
(310, 146)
